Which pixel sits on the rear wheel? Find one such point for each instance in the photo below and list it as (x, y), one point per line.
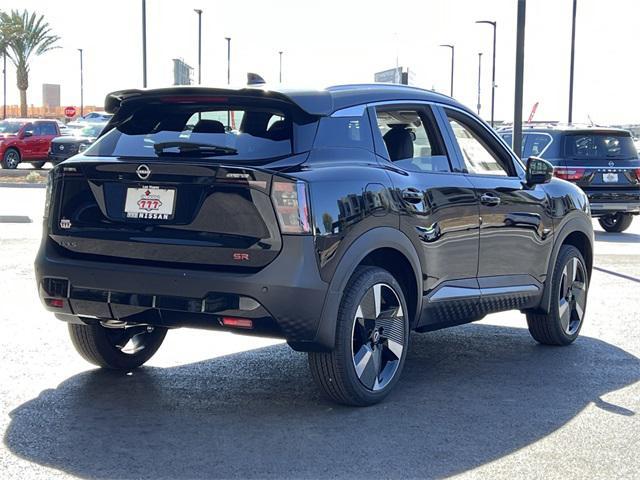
(569, 287)
(116, 348)
(371, 341)
(618, 222)
(10, 159)
(38, 165)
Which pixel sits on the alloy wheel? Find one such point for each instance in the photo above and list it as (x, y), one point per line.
(12, 159)
(572, 296)
(378, 336)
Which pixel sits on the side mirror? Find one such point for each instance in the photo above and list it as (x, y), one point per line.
(27, 134)
(538, 171)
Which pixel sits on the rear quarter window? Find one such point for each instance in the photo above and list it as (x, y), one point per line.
(344, 132)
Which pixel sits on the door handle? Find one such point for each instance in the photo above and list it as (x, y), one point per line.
(412, 195)
(489, 199)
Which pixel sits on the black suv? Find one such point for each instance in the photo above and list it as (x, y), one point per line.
(602, 161)
(339, 220)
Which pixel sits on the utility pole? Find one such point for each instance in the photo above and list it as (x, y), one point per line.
(228, 39)
(479, 78)
(4, 85)
(517, 108)
(199, 12)
(280, 78)
(573, 54)
(81, 86)
(144, 43)
(453, 53)
(493, 73)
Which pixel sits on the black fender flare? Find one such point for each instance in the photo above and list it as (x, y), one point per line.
(374, 239)
(581, 224)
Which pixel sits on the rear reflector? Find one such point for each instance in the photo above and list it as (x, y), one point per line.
(54, 302)
(569, 173)
(237, 322)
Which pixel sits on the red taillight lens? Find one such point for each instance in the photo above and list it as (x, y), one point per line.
(290, 200)
(637, 172)
(237, 322)
(54, 302)
(569, 173)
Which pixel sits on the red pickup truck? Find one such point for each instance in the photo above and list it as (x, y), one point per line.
(26, 140)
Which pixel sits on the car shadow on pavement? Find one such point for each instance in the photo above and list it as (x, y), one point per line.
(468, 396)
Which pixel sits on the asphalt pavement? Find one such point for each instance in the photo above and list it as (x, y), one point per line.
(476, 401)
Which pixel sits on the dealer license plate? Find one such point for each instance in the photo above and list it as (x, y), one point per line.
(610, 177)
(151, 203)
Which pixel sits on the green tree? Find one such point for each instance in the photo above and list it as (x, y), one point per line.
(25, 34)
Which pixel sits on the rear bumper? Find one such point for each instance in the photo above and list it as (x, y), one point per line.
(604, 202)
(284, 299)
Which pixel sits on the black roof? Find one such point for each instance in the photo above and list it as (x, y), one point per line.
(314, 102)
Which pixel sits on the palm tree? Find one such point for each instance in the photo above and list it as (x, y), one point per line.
(25, 34)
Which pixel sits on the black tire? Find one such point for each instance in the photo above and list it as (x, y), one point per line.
(98, 345)
(616, 223)
(38, 165)
(384, 352)
(11, 159)
(559, 327)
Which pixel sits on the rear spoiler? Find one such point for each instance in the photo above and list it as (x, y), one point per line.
(316, 103)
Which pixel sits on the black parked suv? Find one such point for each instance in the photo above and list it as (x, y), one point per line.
(339, 220)
(602, 161)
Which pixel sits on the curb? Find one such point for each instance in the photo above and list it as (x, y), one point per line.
(15, 219)
(22, 185)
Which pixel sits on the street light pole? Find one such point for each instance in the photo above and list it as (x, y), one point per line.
(493, 73)
(517, 108)
(228, 39)
(81, 86)
(199, 12)
(144, 43)
(479, 78)
(280, 78)
(573, 53)
(453, 53)
(4, 85)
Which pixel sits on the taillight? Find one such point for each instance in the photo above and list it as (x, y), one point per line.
(637, 172)
(47, 194)
(290, 200)
(569, 173)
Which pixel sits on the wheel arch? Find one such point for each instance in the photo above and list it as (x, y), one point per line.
(384, 247)
(579, 233)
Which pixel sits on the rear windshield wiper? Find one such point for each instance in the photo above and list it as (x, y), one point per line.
(186, 148)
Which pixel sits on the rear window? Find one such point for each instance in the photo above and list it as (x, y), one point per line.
(599, 145)
(240, 133)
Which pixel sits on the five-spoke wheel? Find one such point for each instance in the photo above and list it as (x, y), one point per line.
(569, 285)
(372, 333)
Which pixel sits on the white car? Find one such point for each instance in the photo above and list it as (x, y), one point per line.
(96, 117)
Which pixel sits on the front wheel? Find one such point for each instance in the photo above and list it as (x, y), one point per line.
(116, 348)
(371, 341)
(617, 222)
(10, 159)
(569, 287)
(38, 165)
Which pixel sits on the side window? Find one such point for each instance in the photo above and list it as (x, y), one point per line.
(345, 132)
(535, 144)
(48, 129)
(412, 139)
(479, 158)
(29, 128)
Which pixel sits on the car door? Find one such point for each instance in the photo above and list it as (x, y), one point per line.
(28, 142)
(48, 132)
(516, 230)
(438, 207)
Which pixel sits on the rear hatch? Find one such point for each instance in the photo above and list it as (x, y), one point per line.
(177, 181)
(600, 159)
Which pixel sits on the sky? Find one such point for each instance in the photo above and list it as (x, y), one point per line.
(334, 42)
